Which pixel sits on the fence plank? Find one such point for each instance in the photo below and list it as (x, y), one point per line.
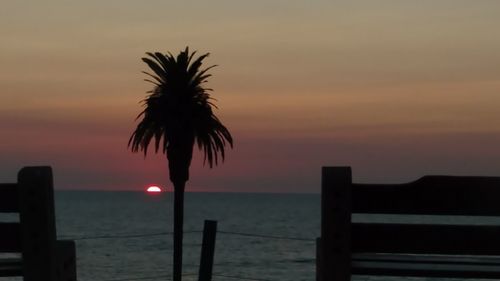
(9, 202)
(426, 239)
(10, 237)
(432, 195)
(10, 267)
(425, 266)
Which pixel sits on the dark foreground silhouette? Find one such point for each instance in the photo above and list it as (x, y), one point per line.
(43, 257)
(177, 114)
(450, 246)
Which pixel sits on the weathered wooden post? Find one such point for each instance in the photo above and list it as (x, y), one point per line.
(36, 194)
(207, 250)
(43, 258)
(336, 224)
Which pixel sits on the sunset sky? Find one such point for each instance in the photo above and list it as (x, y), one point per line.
(395, 89)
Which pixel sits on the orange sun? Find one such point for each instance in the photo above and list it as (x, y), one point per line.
(153, 189)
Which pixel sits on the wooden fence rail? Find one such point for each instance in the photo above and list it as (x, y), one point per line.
(43, 257)
(464, 250)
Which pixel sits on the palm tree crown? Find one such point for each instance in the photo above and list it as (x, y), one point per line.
(179, 111)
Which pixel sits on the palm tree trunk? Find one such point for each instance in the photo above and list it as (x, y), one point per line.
(178, 228)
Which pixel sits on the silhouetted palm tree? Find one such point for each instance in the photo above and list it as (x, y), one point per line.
(178, 113)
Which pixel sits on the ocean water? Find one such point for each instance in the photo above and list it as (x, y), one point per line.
(126, 236)
(102, 223)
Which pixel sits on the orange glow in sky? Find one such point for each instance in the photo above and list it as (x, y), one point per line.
(395, 89)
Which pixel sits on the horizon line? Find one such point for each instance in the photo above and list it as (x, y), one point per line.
(192, 191)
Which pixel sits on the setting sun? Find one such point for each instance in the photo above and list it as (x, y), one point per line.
(153, 189)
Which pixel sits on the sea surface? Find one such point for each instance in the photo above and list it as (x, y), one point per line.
(102, 223)
(126, 236)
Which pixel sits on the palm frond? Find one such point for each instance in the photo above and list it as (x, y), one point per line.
(159, 80)
(191, 57)
(179, 106)
(165, 61)
(156, 68)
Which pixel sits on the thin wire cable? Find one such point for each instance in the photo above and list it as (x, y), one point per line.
(120, 236)
(240, 277)
(109, 236)
(141, 278)
(186, 232)
(148, 277)
(266, 236)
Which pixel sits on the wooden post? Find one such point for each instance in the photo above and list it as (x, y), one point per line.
(36, 204)
(336, 224)
(207, 250)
